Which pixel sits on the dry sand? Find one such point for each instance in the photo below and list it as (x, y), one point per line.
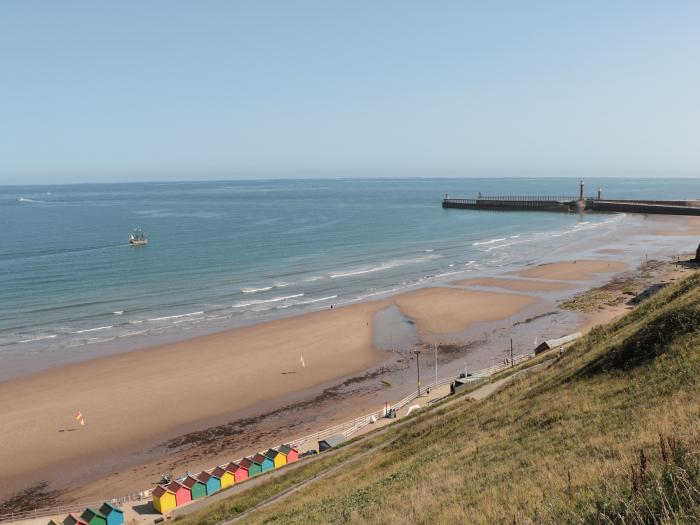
(142, 397)
(515, 285)
(449, 310)
(579, 270)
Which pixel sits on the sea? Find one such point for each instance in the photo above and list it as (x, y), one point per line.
(228, 253)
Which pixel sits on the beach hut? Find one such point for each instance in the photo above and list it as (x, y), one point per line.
(277, 457)
(93, 517)
(53, 522)
(212, 483)
(251, 466)
(182, 494)
(290, 453)
(330, 442)
(265, 462)
(163, 499)
(227, 477)
(197, 488)
(72, 519)
(114, 515)
(239, 471)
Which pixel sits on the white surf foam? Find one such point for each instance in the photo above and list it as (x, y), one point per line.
(88, 330)
(310, 301)
(383, 266)
(38, 338)
(491, 241)
(241, 304)
(167, 317)
(256, 290)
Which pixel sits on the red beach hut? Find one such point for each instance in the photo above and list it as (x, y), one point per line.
(182, 494)
(239, 471)
(291, 453)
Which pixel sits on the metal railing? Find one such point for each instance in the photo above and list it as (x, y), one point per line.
(346, 428)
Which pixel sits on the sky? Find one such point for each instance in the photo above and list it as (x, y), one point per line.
(133, 90)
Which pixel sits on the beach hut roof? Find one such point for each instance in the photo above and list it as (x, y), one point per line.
(272, 453)
(233, 467)
(54, 522)
(258, 458)
(174, 486)
(218, 472)
(107, 507)
(204, 476)
(190, 482)
(285, 449)
(160, 490)
(246, 463)
(72, 519)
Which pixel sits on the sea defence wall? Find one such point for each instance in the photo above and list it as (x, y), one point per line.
(573, 204)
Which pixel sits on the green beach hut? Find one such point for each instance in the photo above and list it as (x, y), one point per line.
(253, 468)
(197, 488)
(93, 517)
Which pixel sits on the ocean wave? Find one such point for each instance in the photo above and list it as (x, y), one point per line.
(24, 199)
(167, 317)
(256, 290)
(491, 241)
(38, 338)
(383, 266)
(374, 294)
(241, 304)
(88, 330)
(310, 301)
(118, 312)
(313, 278)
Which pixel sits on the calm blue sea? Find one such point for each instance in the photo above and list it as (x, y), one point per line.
(228, 253)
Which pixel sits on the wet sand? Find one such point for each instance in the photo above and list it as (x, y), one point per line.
(515, 285)
(449, 310)
(578, 270)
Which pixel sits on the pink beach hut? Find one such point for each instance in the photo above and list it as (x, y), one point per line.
(239, 471)
(182, 494)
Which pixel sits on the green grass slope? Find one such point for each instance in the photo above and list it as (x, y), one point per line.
(606, 434)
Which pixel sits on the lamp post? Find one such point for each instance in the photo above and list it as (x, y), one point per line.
(417, 352)
(436, 352)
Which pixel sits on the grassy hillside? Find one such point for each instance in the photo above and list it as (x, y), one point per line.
(606, 434)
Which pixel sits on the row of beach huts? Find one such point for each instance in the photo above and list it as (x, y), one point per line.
(107, 514)
(179, 492)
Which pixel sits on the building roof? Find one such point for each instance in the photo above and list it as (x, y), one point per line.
(190, 482)
(73, 519)
(233, 467)
(334, 440)
(160, 490)
(246, 463)
(272, 453)
(174, 486)
(285, 449)
(218, 472)
(204, 476)
(107, 507)
(553, 343)
(90, 513)
(259, 458)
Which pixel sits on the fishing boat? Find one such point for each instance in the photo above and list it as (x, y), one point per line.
(138, 238)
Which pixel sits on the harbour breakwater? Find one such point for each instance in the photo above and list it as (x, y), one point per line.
(574, 204)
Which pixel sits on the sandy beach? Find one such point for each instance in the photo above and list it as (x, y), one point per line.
(137, 404)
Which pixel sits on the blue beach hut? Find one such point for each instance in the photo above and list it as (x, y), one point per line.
(212, 483)
(264, 462)
(114, 515)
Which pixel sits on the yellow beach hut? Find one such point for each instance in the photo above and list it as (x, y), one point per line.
(164, 499)
(276, 456)
(227, 477)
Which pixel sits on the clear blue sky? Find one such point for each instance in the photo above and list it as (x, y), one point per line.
(96, 90)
